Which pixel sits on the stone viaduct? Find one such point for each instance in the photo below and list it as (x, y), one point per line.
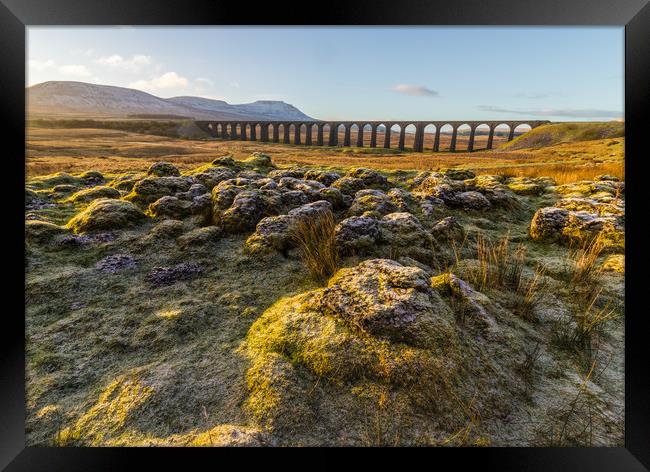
(270, 131)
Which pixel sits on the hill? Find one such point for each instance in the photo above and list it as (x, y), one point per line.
(84, 100)
(558, 133)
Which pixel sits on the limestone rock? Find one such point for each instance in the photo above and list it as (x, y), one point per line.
(386, 299)
(357, 235)
(163, 169)
(106, 214)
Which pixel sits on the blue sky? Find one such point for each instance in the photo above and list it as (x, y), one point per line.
(416, 73)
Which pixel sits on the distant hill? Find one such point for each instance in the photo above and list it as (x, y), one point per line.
(83, 100)
(557, 133)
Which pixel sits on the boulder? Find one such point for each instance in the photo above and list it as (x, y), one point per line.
(170, 207)
(388, 300)
(94, 193)
(334, 196)
(402, 199)
(324, 177)
(259, 160)
(406, 236)
(370, 178)
(271, 233)
(275, 232)
(357, 235)
(248, 207)
(472, 201)
(212, 176)
(448, 229)
(92, 177)
(372, 202)
(163, 169)
(106, 214)
(349, 185)
(295, 173)
(150, 189)
(559, 224)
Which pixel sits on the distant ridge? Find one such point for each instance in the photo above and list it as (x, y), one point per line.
(83, 100)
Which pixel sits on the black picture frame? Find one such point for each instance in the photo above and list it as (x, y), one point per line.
(15, 15)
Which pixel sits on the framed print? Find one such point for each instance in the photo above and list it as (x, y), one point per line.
(387, 226)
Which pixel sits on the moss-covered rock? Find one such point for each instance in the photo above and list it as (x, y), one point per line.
(106, 214)
(92, 177)
(349, 185)
(42, 231)
(199, 238)
(357, 235)
(93, 193)
(355, 337)
(371, 202)
(260, 161)
(370, 178)
(170, 207)
(163, 169)
(559, 224)
(150, 189)
(405, 236)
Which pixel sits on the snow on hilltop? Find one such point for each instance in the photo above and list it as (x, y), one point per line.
(80, 99)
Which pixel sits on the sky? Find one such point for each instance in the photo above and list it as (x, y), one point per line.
(350, 73)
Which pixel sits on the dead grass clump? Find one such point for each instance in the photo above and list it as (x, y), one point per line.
(581, 262)
(582, 329)
(528, 293)
(315, 239)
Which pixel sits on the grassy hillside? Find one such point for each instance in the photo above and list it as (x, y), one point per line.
(557, 133)
(168, 128)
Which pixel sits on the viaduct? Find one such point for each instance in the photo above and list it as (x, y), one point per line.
(270, 131)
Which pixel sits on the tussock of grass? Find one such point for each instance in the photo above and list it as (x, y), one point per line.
(316, 241)
(582, 261)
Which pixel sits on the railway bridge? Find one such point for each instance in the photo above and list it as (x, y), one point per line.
(328, 132)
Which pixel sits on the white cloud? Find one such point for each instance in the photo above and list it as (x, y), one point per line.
(134, 64)
(234, 84)
(41, 65)
(205, 81)
(169, 80)
(74, 70)
(415, 90)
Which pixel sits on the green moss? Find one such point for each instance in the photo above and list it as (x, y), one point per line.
(106, 214)
(93, 193)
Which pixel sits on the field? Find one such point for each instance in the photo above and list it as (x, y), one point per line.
(192, 292)
(52, 150)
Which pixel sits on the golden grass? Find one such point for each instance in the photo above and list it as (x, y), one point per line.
(111, 151)
(315, 238)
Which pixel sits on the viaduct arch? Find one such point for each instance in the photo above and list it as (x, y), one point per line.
(281, 131)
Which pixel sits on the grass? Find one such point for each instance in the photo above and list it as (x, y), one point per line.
(111, 151)
(315, 239)
(583, 261)
(581, 330)
(556, 133)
